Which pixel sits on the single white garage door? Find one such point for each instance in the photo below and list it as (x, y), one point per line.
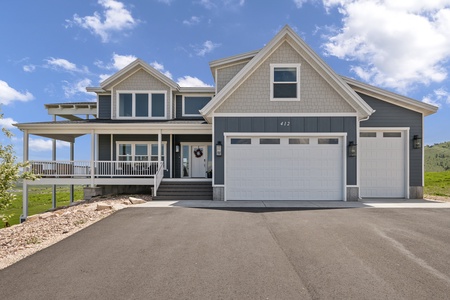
(383, 165)
(284, 168)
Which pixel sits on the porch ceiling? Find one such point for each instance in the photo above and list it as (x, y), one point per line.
(61, 137)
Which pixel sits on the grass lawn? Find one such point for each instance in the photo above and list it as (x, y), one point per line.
(437, 183)
(40, 200)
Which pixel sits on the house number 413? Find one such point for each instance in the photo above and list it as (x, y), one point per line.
(286, 123)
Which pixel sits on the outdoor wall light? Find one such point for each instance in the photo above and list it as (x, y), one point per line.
(177, 148)
(417, 142)
(351, 149)
(219, 148)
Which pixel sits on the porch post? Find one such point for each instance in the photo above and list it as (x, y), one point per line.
(56, 168)
(24, 215)
(159, 145)
(72, 152)
(92, 157)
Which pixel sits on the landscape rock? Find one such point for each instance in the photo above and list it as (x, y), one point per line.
(118, 206)
(32, 218)
(103, 206)
(134, 200)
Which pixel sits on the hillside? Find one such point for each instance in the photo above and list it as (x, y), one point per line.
(437, 157)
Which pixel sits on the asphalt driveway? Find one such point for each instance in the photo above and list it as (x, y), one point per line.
(194, 253)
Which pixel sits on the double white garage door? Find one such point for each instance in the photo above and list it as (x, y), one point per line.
(284, 168)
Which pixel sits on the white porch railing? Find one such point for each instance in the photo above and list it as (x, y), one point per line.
(158, 177)
(101, 169)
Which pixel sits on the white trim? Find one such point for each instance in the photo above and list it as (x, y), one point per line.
(172, 146)
(272, 81)
(183, 106)
(285, 115)
(406, 138)
(284, 134)
(213, 144)
(133, 104)
(344, 166)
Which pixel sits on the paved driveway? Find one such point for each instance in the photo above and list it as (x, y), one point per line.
(259, 253)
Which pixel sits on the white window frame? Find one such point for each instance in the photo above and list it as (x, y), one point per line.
(183, 114)
(133, 105)
(272, 82)
(149, 150)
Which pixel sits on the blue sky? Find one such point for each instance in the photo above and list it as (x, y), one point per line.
(52, 49)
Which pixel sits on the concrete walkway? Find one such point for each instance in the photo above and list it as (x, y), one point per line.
(366, 203)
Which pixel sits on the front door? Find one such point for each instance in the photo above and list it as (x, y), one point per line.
(198, 156)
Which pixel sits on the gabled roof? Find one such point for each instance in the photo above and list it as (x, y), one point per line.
(231, 60)
(131, 68)
(390, 97)
(287, 34)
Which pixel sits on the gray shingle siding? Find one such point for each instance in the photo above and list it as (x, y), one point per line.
(389, 115)
(272, 124)
(104, 107)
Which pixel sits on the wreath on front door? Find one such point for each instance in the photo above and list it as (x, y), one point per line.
(198, 153)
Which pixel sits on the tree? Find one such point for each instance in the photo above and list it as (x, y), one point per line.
(10, 173)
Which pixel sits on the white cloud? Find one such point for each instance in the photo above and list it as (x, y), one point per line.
(65, 65)
(394, 44)
(160, 68)
(40, 145)
(9, 94)
(117, 62)
(299, 3)
(71, 89)
(114, 18)
(29, 68)
(189, 81)
(206, 48)
(438, 97)
(168, 2)
(192, 21)
(103, 77)
(7, 123)
(227, 4)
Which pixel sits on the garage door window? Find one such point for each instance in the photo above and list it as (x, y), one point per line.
(328, 141)
(368, 134)
(241, 141)
(269, 141)
(392, 134)
(298, 141)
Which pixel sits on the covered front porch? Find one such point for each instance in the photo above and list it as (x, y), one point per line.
(121, 154)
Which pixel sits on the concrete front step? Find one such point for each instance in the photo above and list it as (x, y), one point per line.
(165, 198)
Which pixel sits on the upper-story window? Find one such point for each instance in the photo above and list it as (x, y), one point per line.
(192, 105)
(142, 104)
(285, 82)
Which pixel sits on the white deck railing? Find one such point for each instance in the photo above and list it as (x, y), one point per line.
(97, 169)
(158, 177)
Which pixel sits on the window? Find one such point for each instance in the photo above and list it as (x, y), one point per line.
(285, 82)
(328, 141)
(241, 141)
(141, 104)
(269, 141)
(192, 104)
(368, 134)
(140, 151)
(392, 134)
(298, 141)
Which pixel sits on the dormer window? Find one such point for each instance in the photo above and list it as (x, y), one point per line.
(141, 104)
(285, 82)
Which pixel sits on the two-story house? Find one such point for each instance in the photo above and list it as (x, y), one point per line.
(279, 124)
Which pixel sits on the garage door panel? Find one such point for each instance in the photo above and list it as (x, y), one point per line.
(284, 171)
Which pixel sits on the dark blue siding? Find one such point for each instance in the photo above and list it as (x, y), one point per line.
(104, 107)
(273, 124)
(186, 139)
(389, 115)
